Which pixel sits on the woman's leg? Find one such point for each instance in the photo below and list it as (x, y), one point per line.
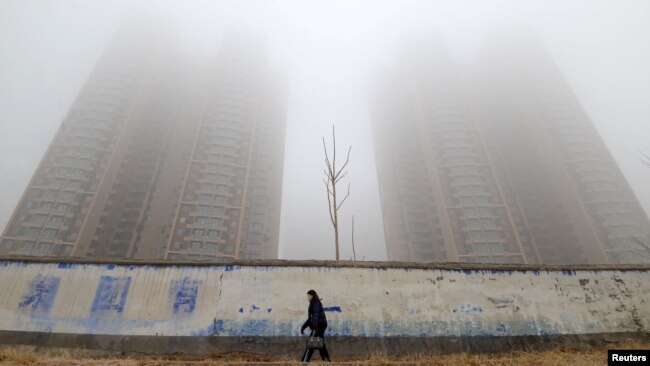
(323, 351)
(306, 356)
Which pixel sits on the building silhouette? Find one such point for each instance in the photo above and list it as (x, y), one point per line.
(162, 157)
(503, 166)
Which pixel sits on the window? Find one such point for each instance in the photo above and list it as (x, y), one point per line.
(43, 249)
(55, 221)
(481, 249)
(49, 234)
(486, 212)
(477, 236)
(61, 207)
(204, 210)
(33, 233)
(56, 183)
(213, 234)
(27, 247)
(489, 224)
(65, 196)
(72, 184)
(39, 220)
(179, 245)
(195, 246)
(210, 249)
(493, 235)
(50, 194)
(215, 222)
(207, 187)
(473, 224)
(260, 200)
(197, 233)
(496, 248)
(8, 244)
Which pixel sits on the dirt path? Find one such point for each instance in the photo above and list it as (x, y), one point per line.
(557, 357)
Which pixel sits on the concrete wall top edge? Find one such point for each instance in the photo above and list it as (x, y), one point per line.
(337, 264)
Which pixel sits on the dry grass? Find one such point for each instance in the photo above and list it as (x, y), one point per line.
(30, 356)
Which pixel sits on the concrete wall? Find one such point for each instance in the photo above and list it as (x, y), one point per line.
(268, 299)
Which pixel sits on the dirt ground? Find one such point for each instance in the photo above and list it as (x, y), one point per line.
(24, 355)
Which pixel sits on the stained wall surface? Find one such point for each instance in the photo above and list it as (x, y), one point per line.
(270, 300)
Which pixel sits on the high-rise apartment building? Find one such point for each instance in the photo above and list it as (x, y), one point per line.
(579, 206)
(161, 159)
(231, 190)
(469, 174)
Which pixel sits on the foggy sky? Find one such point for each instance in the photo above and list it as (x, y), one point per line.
(329, 50)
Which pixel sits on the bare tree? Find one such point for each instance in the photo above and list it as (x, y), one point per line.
(333, 176)
(354, 252)
(645, 158)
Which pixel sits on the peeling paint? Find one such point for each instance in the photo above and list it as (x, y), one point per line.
(223, 300)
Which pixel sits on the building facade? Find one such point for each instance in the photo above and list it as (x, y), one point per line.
(161, 159)
(467, 175)
(579, 206)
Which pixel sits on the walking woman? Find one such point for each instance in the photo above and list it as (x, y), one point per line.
(317, 321)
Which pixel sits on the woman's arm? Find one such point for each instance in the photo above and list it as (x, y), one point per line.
(308, 321)
(314, 313)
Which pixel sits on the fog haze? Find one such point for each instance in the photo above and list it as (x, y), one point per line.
(330, 51)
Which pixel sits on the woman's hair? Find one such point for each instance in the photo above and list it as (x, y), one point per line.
(313, 294)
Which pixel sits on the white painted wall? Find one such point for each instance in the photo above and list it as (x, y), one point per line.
(271, 301)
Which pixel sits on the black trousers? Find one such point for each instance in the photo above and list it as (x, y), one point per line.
(323, 351)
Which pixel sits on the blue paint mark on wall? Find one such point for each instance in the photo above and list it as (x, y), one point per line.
(262, 327)
(254, 308)
(65, 265)
(241, 310)
(111, 294)
(183, 293)
(336, 309)
(40, 296)
(468, 309)
(269, 310)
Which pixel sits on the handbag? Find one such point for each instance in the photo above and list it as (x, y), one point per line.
(315, 342)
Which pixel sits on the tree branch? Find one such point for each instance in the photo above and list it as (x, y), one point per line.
(341, 177)
(334, 149)
(347, 160)
(327, 160)
(346, 197)
(645, 159)
(329, 203)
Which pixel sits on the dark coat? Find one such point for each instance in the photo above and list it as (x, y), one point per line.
(315, 315)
